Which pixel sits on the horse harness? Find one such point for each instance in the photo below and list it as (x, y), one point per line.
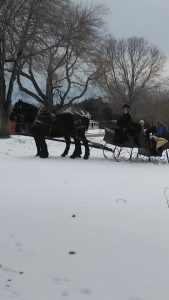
(78, 123)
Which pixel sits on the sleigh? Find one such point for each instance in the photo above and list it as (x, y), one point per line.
(130, 150)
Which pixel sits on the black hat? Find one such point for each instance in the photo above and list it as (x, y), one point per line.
(126, 106)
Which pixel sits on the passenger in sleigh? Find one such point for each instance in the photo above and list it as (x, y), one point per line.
(125, 127)
(159, 138)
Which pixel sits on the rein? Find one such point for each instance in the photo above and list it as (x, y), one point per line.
(36, 118)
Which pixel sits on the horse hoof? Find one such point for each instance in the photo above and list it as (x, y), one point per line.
(72, 156)
(75, 156)
(44, 156)
(86, 157)
(63, 155)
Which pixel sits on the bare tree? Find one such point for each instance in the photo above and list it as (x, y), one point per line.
(67, 66)
(128, 66)
(22, 27)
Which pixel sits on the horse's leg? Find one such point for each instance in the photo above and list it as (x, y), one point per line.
(79, 149)
(77, 152)
(44, 150)
(86, 145)
(67, 140)
(38, 145)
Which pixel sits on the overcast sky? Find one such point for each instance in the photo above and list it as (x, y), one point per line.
(143, 18)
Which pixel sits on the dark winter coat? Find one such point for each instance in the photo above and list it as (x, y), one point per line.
(124, 121)
(162, 132)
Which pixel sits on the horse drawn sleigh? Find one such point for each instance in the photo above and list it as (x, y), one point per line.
(130, 150)
(42, 125)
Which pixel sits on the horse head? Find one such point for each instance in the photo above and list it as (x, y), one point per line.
(23, 114)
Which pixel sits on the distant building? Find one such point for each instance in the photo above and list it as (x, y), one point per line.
(93, 124)
(88, 115)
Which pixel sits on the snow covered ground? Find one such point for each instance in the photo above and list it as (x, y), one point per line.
(81, 230)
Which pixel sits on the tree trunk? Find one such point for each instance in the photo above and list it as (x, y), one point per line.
(4, 118)
(3, 109)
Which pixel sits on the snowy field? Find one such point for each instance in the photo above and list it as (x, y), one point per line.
(81, 230)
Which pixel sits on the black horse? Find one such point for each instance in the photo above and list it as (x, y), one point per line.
(41, 124)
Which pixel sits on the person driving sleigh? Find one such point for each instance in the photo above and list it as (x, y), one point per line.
(122, 125)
